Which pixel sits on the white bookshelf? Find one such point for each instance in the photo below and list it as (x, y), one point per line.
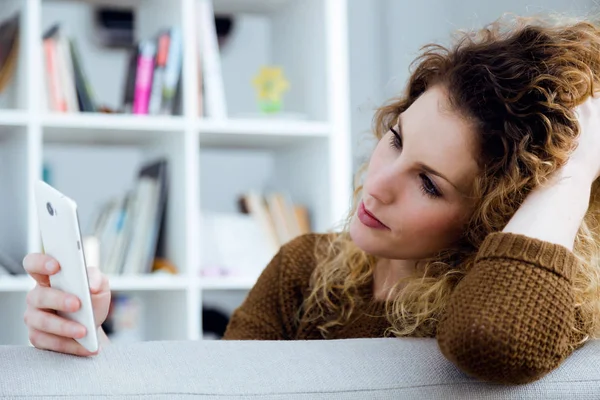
(309, 157)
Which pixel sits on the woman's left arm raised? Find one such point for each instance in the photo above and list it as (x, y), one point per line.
(509, 320)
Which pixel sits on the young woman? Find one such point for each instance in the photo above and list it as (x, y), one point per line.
(477, 222)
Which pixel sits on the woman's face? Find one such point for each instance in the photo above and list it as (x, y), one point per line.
(415, 198)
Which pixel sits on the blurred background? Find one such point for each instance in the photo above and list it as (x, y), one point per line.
(198, 136)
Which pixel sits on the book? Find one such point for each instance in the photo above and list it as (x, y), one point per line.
(129, 88)
(257, 207)
(214, 91)
(57, 100)
(153, 75)
(164, 42)
(85, 94)
(144, 75)
(130, 228)
(9, 49)
(172, 74)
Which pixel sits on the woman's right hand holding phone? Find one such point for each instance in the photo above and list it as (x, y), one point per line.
(49, 331)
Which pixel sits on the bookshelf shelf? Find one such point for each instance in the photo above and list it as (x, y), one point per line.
(227, 283)
(259, 133)
(16, 283)
(117, 283)
(13, 118)
(108, 128)
(148, 283)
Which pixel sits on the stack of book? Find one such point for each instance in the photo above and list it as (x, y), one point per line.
(279, 219)
(68, 89)
(153, 76)
(243, 243)
(152, 83)
(129, 228)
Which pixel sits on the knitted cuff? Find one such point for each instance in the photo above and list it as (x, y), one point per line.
(552, 257)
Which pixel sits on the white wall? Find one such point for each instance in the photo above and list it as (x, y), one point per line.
(385, 37)
(408, 28)
(367, 70)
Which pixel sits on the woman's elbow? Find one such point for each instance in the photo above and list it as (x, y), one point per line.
(494, 355)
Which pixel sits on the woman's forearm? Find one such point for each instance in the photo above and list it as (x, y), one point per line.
(553, 213)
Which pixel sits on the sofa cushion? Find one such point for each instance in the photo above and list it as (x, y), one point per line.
(409, 368)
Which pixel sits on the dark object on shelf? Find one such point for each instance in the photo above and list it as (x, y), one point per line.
(224, 25)
(158, 171)
(214, 322)
(114, 27)
(242, 205)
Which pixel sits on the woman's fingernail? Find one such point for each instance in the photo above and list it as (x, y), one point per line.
(94, 285)
(77, 331)
(71, 303)
(50, 266)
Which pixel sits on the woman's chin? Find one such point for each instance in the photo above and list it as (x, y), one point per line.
(365, 238)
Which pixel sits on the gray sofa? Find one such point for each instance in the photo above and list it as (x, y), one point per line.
(345, 369)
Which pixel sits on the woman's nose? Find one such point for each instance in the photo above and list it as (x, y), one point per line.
(383, 185)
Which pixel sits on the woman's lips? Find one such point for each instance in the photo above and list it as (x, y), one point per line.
(369, 219)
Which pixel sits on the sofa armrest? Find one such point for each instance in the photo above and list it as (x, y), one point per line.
(346, 369)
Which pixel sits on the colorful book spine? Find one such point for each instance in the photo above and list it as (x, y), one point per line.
(145, 72)
(159, 72)
(57, 101)
(172, 72)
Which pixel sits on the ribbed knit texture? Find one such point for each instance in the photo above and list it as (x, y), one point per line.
(507, 321)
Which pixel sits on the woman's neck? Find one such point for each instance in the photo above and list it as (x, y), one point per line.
(387, 273)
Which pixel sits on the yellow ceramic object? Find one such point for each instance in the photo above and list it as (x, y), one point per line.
(270, 84)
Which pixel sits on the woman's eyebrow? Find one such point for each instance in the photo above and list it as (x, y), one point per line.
(423, 166)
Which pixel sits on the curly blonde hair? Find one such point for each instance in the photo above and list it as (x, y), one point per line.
(517, 81)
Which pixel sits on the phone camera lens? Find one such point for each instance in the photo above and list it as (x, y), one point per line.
(49, 208)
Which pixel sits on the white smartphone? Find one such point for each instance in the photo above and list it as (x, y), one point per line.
(61, 239)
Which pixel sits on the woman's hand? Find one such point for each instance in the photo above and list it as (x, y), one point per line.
(554, 212)
(47, 330)
(585, 159)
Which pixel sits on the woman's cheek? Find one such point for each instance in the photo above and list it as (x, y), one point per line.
(435, 221)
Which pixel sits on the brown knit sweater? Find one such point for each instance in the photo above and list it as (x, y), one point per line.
(507, 321)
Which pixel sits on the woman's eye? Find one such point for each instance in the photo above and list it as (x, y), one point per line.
(428, 187)
(396, 140)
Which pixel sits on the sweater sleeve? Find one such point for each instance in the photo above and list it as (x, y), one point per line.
(509, 320)
(259, 316)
